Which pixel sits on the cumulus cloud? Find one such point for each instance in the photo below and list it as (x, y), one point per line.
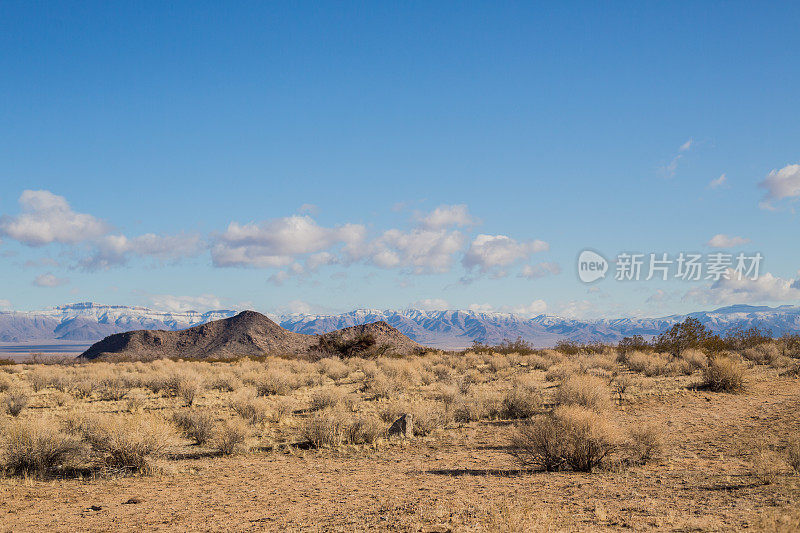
(540, 270)
(489, 251)
(47, 218)
(114, 250)
(724, 241)
(447, 216)
(430, 304)
(719, 182)
(421, 250)
(180, 304)
(767, 288)
(780, 184)
(535, 308)
(49, 280)
(276, 243)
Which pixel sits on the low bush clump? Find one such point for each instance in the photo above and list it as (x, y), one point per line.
(38, 448)
(793, 454)
(276, 382)
(253, 410)
(523, 400)
(723, 374)
(195, 425)
(231, 437)
(129, 444)
(646, 444)
(571, 436)
(585, 390)
(15, 401)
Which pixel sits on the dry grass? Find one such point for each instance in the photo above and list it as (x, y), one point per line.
(571, 436)
(195, 425)
(15, 401)
(584, 390)
(723, 374)
(37, 448)
(230, 437)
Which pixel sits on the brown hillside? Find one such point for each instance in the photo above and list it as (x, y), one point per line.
(247, 334)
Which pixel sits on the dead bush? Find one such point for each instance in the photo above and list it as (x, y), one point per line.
(381, 386)
(560, 371)
(227, 382)
(766, 464)
(327, 428)
(793, 454)
(15, 401)
(195, 425)
(723, 374)
(128, 444)
(366, 429)
(523, 400)
(571, 436)
(231, 437)
(253, 410)
(187, 389)
(645, 444)
(695, 358)
(276, 382)
(326, 398)
(334, 368)
(5, 382)
(584, 390)
(38, 448)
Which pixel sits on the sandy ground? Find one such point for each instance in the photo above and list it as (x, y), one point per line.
(461, 479)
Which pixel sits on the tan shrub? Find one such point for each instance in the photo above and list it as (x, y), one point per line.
(428, 416)
(334, 368)
(572, 436)
(326, 398)
(129, 444)
(696, 358)
(224, 382)
(83, 388)
(381, 386)
(195, 425)
(649, 364)
(584, 390)
(277, 382)
(37, 447)
(766, 464)
(646, 443)
(498, 363)
(15, 401)
(113, 389)
(253, 410)
(793, 454)
(723, 374)
(763, 354)
(327, 428)
(560, 371)
(523, 400)
(366, 429)
(5, 382)
(442, 372)
(187, 389)
(231, 437)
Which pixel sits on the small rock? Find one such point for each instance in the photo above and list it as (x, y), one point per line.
(132, 501)
(403, 426)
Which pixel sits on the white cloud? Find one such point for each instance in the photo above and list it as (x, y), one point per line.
(311, 209)
(481, 308)
(430, 304)
(540, 270)
(421, 250)
(5, 304)
(767, 288)
(276, 243)
(179, 304)
(49, 280)
(115, 250)
(724, 241)
(47, 218)
(780, 184)
(719, 182)
(446, 216)
(535, 308)
(685, 146)
(490, 251)
(576, 309)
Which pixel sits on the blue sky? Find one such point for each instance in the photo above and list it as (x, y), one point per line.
(323, 157)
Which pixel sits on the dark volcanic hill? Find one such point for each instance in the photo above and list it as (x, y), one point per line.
(247, 334)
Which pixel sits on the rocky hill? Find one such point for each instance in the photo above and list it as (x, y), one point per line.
(247, 334)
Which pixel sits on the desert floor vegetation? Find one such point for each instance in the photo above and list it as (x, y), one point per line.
(639, 437)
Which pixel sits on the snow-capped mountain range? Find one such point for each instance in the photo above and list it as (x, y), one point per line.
(88, 322)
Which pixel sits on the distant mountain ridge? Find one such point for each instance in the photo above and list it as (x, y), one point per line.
(442, 329)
